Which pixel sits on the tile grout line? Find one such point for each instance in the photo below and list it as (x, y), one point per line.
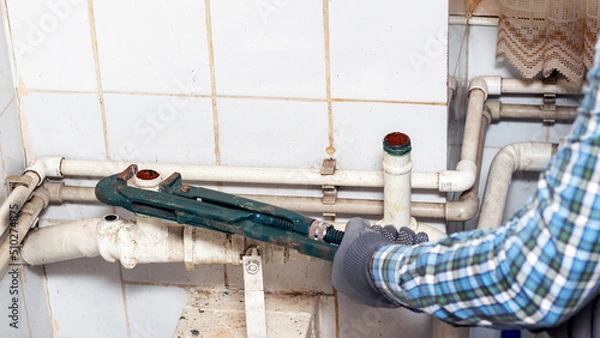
(245, 97)
(17, 86)
(337, 309)
(330, 150)
(213, 81)
(22, 280)
(210, 288)
(48, 304)
(94, 38)
(124, 295)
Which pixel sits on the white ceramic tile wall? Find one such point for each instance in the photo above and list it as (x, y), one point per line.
(269, 48)
(154, 311)
(44, 58)
(272, 132)
(204, 276)
(359, 129)
(262, 99)
(300, 276)
(67, 120)
(32, 318)
(11, 145)
(11, 152)
(389, 50)
(86, 299)
(364, 321)
(153, 46)
(7, 90)
(165, 129)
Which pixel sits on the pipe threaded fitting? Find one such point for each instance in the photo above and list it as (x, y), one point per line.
(333, 236)
(397, 144)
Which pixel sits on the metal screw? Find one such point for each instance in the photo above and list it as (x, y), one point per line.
(252, 267)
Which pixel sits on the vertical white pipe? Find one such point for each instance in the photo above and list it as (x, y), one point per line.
(471, 133)
(10, 249)
(396, 177)
(17, 199)
(513, 157)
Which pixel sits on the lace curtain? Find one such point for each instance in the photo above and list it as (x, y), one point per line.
(547, 35)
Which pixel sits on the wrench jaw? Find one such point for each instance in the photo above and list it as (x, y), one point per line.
(215, 210)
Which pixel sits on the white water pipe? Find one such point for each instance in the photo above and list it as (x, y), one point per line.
(148, 240)
(10, 249)
(396, 177)
(496, 85)
(461, 210)
(17, 198)
(531, 86)
(500, 110)
(511, 158)
(32, 177)
(279, 176)
(451, 210)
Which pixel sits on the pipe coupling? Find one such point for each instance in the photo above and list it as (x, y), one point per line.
(318, 230)
(395, 168)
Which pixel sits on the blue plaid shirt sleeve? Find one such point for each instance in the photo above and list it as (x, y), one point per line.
(537, 269)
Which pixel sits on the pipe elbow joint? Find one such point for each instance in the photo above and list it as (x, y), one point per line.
(489, 85)
(46, 167)
(464, 209)
(460, 179)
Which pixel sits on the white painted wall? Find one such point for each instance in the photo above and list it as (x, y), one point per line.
(261, 82)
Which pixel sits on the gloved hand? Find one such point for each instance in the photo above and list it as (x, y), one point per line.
(352, 263)
(584, 324)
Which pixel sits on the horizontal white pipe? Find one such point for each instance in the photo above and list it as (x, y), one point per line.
(62, 242)
(149, 240)
(17, 198)
(531, 86)
(289, 176)
(61, 193)
(500, 110)
(472, 21)
(10, 250)
(511, 158)
(496, 85)
(461, 210)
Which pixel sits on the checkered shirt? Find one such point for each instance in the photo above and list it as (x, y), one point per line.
(535, 270)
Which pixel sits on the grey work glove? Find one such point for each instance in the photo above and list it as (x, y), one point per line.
(584, 324)
(352, 263)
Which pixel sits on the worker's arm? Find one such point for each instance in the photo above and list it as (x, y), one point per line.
(536, 270)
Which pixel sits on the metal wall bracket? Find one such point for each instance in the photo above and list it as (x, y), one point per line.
(13, 181)
(549, 101)
(328, 166)
(254, 295)
(329, 191)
